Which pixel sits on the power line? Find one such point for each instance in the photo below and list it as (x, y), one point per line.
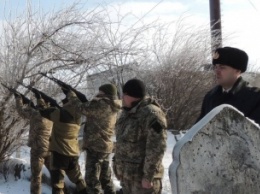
(253, 5)
(146, 13)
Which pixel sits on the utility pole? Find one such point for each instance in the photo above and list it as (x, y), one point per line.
(215, 24)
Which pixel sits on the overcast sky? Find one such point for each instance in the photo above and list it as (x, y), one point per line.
(240, 18)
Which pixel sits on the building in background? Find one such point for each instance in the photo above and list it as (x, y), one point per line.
(115, 75)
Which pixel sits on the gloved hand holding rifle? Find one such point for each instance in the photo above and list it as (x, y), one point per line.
(66, 87)
(18, 94)
(39, 94)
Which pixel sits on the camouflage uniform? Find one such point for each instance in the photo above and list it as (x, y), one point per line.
(141, 142)
(64, 145)
(101, 115)
(39, 134)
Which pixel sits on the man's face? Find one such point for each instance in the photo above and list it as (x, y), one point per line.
(226, 76)
(128, 100)
(100, 93)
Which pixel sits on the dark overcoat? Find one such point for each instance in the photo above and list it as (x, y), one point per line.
(242, 96)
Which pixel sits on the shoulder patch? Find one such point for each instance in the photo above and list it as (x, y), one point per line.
(157, 127)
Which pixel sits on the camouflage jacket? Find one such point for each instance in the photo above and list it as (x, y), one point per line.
(141, 142)
(66, 125)
(40, 127)
(101, 115)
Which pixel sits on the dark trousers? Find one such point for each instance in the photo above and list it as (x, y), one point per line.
(61, 164)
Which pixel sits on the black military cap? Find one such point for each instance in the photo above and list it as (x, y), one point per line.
(232, 57)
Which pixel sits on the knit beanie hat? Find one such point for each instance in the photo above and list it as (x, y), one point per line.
(134, 88)
(232, 57)
(108, 89)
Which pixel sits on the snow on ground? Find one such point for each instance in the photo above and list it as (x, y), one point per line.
(22, 186)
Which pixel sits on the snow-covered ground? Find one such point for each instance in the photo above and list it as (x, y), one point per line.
(22, 186)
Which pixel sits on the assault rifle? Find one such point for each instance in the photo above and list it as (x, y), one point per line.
(17, 94)
(39, 94)
(66, 87)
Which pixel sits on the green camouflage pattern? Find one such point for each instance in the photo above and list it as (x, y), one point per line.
(38, 140)
(101, 115)
(98, 173)
(134, 187)
(141, 142)
(40, 127)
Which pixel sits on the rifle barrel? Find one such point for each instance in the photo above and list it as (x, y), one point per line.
(66, 86)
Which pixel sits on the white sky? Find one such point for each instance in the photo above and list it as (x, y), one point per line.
(240, 18)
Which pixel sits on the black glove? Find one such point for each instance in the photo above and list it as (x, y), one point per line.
(16, 95)
(65, 100)
(37, 95)
(65, 90)
(26, 100)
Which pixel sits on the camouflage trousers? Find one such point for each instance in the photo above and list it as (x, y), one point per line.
(98, 173)
(61, 165)
(135, 186)
(37, 162)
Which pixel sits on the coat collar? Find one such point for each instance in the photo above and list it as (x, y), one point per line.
(239, 84)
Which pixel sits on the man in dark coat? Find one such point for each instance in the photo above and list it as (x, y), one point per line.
(229, 63)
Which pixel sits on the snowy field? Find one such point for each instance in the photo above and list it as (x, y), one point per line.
(22, 186)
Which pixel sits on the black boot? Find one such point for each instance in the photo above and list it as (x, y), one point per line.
(83, 191)
(56, 190)
(109, 189)
(119, 191)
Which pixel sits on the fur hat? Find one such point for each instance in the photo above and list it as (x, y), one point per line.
(108, 89)
(134, 88)
(232, 57)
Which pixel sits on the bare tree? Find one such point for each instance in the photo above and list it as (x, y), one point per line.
(132, 42)
(65, 42)
(173, 65)
(72, 43)
(178, 78)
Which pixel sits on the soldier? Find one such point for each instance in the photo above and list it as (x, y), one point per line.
(64, 144)
(229, 63)
(141, 142)
(101, 115)
(39, 134)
